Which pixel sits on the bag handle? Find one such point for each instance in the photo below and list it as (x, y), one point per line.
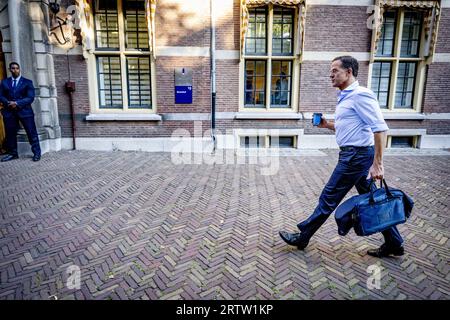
(371, 189)
(388, 192)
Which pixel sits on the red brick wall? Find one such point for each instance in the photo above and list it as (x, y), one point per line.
(135, 129)
(327, 29)
(337, 28)
(227, 85)
(201, 98)
(437, 126)
(228, 28)
(437, 88)
(443, 39)
(316, 92)
(165, 86)
(432, 126)
(176, 27)
(78, 72)
(224, 125)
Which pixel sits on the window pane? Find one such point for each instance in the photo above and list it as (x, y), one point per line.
(281, 84)
(261, 68)
(411, 34)
(380, 82)
(255, 38)
(249, 97)
(139, 87)
(136, 34)
(386, 42)
(276, 67)
(402, 142)
(375, 86)
(383, 99)
(255, 83)
(260, 83)
(287, 45)
(400, 82)
(252, 142)
(383, 85)
(106, 24)
(287, 31)
(277, 30)
(250, 45)
(260, 46)
(109, 82)
(281, 142)
(276, 45)
(260, 29)
(251, 30)
(286, 142)
(405, 85)
(282, 34)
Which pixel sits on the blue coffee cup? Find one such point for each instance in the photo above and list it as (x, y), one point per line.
(317, 118)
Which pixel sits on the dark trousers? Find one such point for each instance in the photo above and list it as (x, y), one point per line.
(11, 121)
(352, 170)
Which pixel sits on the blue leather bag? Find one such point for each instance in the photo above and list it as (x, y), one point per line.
(374, 211)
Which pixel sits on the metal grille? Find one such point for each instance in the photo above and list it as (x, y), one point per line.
(136, 34)
(106, 24)
(139, 84)
(109, 82)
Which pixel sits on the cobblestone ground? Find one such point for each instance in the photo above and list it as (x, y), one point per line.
(140, 227)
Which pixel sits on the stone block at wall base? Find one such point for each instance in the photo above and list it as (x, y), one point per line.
(47, 145)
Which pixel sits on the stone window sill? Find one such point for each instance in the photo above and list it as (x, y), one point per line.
(403, 116)
(123, 117)
(268, 115)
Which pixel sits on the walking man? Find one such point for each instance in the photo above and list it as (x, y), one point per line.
(361, 136)
(17, 94)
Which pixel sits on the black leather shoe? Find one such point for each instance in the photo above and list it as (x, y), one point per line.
(294, 239)
(36, 158)
(385, 251)
(9, 157)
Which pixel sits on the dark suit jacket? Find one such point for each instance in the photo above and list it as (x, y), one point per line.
(23, 95)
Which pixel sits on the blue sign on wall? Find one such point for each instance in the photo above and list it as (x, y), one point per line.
(183, 94)
(183, 85)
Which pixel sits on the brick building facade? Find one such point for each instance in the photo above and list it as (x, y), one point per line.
(248, 103)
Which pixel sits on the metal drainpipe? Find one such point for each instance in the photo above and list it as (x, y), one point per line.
(213, 75)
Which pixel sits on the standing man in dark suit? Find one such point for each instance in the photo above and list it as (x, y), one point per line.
(17, 94)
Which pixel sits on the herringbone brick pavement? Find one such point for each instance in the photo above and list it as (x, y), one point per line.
(140, 227)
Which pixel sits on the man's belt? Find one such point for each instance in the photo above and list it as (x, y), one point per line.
(350, 148)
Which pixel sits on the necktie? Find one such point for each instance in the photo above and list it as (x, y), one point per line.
(14, 84)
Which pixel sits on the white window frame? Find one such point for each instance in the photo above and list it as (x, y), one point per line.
(297, 134)
(419, 82)
(122, 53)
(295, 76)
(415, 141)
